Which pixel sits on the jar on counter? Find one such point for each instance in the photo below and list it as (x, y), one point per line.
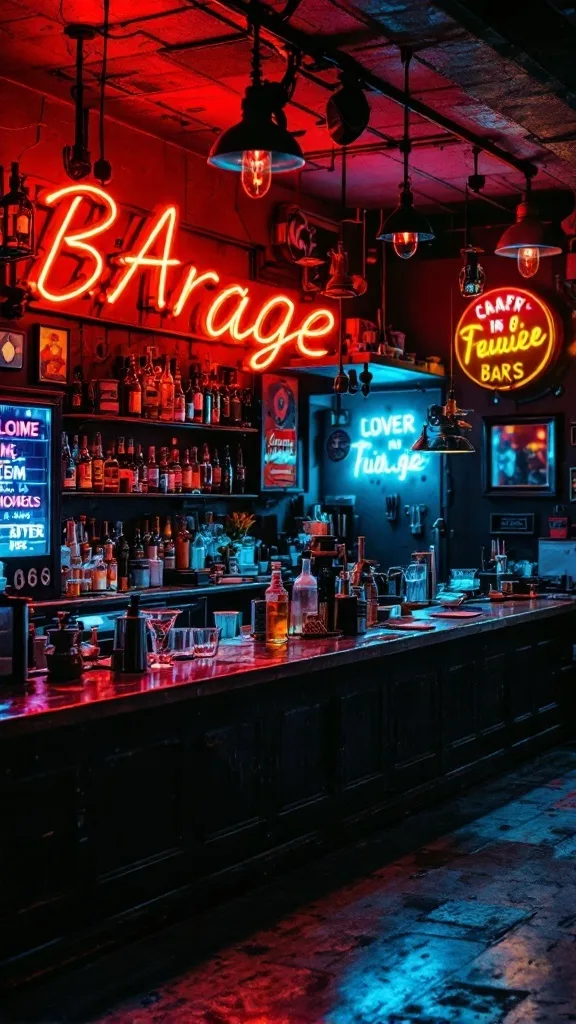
(73, 588)
(156, 572)
(99, 577)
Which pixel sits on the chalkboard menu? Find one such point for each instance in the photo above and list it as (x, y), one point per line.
(29, 491)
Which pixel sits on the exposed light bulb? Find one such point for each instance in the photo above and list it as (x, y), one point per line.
(256, 173)
(528, 260)
(405, 244)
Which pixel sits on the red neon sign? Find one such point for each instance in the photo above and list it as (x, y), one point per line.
(272, 326)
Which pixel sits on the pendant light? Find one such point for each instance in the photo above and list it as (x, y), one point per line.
(405, 227)
(16, 220)
(442, 434)
(472, 277)
(528, 239)
(260, 145)
(340, 284)
(76, 158)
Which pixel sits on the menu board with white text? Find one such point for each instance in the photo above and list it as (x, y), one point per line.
(25, 480)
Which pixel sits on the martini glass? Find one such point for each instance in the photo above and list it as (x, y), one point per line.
(160, 622)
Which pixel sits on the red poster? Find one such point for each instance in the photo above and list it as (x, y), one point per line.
(280, 432)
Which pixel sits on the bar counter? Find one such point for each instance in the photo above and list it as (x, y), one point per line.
(126, 802)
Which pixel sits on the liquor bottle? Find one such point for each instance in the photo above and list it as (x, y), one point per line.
(107, 542)
(68, 466)
(207, 401)
(17, 218)
(122, 552)
(228, 473)
(111, 472)
(84, 469)
(224, 401)
(111, 572)
(76, 450)
(247, 409)
(124, 474)
(198, 400)
(186, 472)
(304, 596)
(157, 541)
(93, 535)
(166, 393)
(152, 472)
(216, 473)
(76, 393)
(362, 576)
(97, 464)
(205, 471)
(141, 471)
(131, 465)
(240, 472)
(195, 472)
(183, 545)
(132, 391)
(137, 545)
(216, 402)
(175, 469)
(276, 609)
(169, 546)
(179, 400)
(189, 402)
(163, 472)
(150, 389)
(236, 407)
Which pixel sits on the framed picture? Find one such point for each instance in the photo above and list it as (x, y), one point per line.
(53, 354)
(573, 484)
(280, 463)
(11, 350)
(519, 456)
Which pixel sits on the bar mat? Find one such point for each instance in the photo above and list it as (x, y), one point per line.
(456, 614)
(409, 626)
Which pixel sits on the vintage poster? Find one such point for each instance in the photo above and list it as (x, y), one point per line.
(280, 432)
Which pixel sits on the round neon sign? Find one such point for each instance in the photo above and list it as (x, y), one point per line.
(507, 338)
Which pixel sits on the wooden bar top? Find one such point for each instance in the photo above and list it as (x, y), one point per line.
(100, 693)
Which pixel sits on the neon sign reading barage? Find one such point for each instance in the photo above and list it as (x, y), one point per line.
(394, 430)
(272, 328)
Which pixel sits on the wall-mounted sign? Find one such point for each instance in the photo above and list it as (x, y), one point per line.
(81, 259)
(280, 433)
(511, 522)
(25, 445)
(507, 338)
(383, 448)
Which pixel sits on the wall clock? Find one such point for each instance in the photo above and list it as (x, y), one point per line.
(338, 445)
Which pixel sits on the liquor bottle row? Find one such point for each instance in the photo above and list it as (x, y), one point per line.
(101, 557)
(125, 470)
(153, 388)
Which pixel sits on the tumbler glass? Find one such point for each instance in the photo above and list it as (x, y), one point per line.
(205, 642)
(227, 623)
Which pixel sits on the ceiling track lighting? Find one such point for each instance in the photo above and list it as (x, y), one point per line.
(472, 278)
(405, 227)
(16, 219)
(442, 434)
(260, 145)
(77, 162)
(528, 239)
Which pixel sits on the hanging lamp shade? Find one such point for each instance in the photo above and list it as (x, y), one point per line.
(527, 232)
(340, 284)
(405, 220)
(258, 130)
(449, 441)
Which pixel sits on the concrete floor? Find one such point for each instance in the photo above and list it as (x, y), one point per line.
(465, 914)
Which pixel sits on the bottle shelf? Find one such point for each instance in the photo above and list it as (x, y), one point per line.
(185, 496)
(95, 417)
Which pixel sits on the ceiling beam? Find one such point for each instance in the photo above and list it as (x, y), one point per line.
(324, 54)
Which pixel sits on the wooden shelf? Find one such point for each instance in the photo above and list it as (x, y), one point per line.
(95, 417)
(185, 496)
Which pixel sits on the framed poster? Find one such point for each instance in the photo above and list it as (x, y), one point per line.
(11, 350)
(519, 456)
(280, 463)
(53, 354)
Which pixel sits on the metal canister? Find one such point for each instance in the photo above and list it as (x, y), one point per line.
(258, 619)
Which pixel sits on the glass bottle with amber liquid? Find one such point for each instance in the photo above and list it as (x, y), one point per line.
(206, 471)
(150, 388)
(179, 399)
(84, 467)
(141, 471)
(166, 393)
(111, 472)
(132, 391)
(197, 400)
(216, 473)
(152, 471)
(195, 472)
(183, 538)
(277, 609)
(175, 469)
(163, 473)
(186, 472)
(97, 465)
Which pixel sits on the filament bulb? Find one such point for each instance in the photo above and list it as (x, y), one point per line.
(528, 261)
(405, 244)
(256, 172)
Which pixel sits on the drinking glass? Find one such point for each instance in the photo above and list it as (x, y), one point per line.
(227, 624)
(181, 643)
(205, 642)
(160, 622)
